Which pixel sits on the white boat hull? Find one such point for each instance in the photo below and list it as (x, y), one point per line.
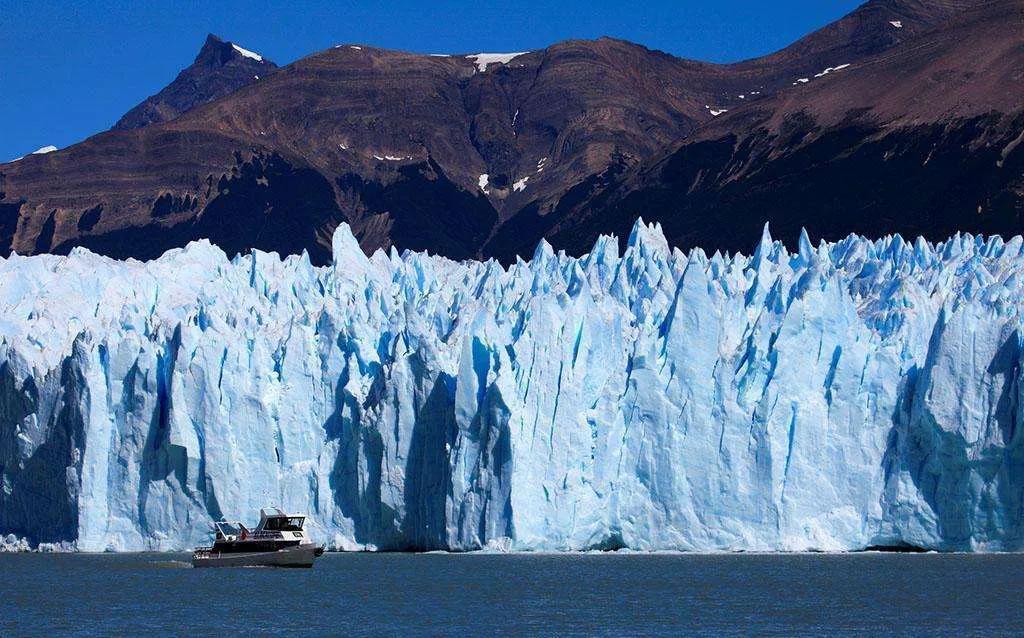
(295, 556)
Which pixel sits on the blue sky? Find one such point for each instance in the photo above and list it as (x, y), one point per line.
(69, 68)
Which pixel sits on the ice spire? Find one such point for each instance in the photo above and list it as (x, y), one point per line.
(764, 248)
(345, 251)
(805, 251)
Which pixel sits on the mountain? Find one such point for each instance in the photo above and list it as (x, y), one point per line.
(414, 150)
(920, 140)
(482, 154)
(846, 396)
(220, 68)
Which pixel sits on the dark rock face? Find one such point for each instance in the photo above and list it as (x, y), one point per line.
(418, 193)
(265, 203)
(9, 215)
(913, 181)
(473, 159)
(219, 69)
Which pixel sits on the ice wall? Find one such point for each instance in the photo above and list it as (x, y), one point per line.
(852, 394)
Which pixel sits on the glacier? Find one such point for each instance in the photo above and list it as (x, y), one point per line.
(838, 397)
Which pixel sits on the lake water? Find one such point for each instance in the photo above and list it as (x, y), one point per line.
(517, 595)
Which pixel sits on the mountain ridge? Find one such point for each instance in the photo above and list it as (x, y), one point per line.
(445, 153)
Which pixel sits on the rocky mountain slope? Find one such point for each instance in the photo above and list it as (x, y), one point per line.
(920, 140)
(481, 155)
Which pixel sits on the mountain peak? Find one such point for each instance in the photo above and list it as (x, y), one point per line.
(221, 67)
(217, 52)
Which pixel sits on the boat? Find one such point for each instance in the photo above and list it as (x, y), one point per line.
(279, 540)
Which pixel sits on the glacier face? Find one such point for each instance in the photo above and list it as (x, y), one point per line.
(847, 395)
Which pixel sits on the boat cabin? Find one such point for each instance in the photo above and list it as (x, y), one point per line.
(274, 520)
(275, 529)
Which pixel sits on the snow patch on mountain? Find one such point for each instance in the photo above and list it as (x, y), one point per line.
(831, 69)
(484, 59)
(39, 151)
(246, 53)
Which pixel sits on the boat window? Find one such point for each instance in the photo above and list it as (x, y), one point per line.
(227, 528)
(283, 524)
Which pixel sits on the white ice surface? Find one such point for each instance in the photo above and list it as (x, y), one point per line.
(857, 393)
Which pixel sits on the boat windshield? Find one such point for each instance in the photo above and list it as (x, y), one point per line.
(285, 524)
(229, 528)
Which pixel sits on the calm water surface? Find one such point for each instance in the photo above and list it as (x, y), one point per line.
(517, 595)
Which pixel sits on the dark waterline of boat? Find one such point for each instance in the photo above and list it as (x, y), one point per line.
(518, 595)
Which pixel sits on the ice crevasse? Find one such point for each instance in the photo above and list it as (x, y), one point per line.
(848, 395)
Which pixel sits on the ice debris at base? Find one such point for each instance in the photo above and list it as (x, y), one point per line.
(12, 544)
(859, 393)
